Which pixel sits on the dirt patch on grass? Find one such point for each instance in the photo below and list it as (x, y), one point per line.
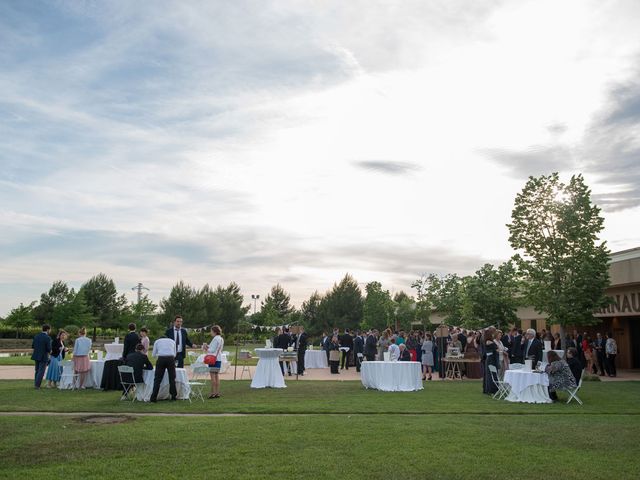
(105, 419)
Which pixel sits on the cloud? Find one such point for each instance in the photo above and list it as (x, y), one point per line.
(536, 160)
(387, 167)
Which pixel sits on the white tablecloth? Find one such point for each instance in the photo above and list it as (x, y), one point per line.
(315, 359)
(225, 361)
(268, 373)
(182, 385)
(391, 376)
(114, 350)
(92, 380)
(527, 387)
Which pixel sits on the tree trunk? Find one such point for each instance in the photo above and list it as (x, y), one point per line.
(94, 333)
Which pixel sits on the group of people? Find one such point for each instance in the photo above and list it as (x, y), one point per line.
(169, 351)
(284, 339)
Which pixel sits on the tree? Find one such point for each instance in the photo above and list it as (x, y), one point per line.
(491, 296)
(378, 309)
(342, 306)
(103, 302)
(442, 294)
(183, 300)
(58, 294)
(555, 230)
(310, 310)
(405, 309)
(231, 308)
(278, 300)
(21, 317)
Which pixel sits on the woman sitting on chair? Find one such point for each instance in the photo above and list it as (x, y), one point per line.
(560, 376)
(215, 348)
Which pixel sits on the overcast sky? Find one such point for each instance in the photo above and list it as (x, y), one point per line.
(293, 142)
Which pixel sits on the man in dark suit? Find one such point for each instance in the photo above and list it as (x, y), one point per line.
(532, 347)
(181, 337)
(346, 341)
(41, 349)
(139, 361)
(301, 348)
(283, 342)
(574, 364)
(515, 352)
(599, 347)
(131, 340)
(358, 349)
(371, 345)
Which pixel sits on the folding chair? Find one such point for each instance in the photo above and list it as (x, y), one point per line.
(69, 373)
(503, 387)
(193, 357)
(195, 384)
(573, 392)
(244, 356)
(128, 387)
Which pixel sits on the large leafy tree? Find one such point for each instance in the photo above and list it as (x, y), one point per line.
(231, 309)
(58, 294)
(405, 309)
(342, 306)
(378, 309)
(310, 311)
(183, 300)
(555, 230)
(491, 296)
(103, 302)
(278, 300)
(21, 317)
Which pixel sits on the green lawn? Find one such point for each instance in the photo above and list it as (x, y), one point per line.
(335, 430)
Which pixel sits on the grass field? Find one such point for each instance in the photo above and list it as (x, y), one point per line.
(332, 430)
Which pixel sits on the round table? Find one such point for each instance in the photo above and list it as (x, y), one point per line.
(268, 373)
(315, 359)
(182, 385)
(92, 379)
(391, 376)
(527, 387)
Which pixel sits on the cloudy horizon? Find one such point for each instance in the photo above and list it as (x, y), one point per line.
(293, 142)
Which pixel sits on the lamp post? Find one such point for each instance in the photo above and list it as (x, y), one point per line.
(255, 299)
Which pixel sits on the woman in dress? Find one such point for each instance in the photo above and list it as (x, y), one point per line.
(474, 369)
(560, 375)
(427, 357)
(503, 353)
(81, 362)
(215, 348)
(144, 340)
(57, 355)
(413, 345)
(491, 359)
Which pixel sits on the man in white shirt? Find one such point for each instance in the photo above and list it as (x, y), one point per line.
(164, 349)
(394, 350)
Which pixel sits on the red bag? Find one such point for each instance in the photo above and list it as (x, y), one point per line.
(210, 359)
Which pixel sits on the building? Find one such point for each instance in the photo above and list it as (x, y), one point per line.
(621, 318)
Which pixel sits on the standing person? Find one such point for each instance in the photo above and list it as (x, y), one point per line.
(490, 359)
(503, 353)
(358, 349)
(587, 352)
(413, 345)
(471, 352)
(556, 343)
(131, 340)
(215, 348)
(180, 336)
(283, 342)
(58, 351)
(324, 343)
(427, 357)
(574, 363)
(611, 350)
(599, 347)
(81, 362)
(164, 349)
(516, 346)
(301, 347)
(334, 354)
(346, 342)
(394, 350)
(383, 343)
(144, 340)
(532, 347)
(370, 345)
(41, 345)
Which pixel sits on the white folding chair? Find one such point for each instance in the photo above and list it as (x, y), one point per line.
(244, 356)
(129, 387)
(503, 387)
(193, 357)
(573, 392)
(196, 385)
(68, 372)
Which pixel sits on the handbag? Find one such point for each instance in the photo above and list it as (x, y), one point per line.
(210, 359)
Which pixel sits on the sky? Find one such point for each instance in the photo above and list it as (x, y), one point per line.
(293, 142)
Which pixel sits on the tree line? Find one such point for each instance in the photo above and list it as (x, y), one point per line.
(560, 267)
